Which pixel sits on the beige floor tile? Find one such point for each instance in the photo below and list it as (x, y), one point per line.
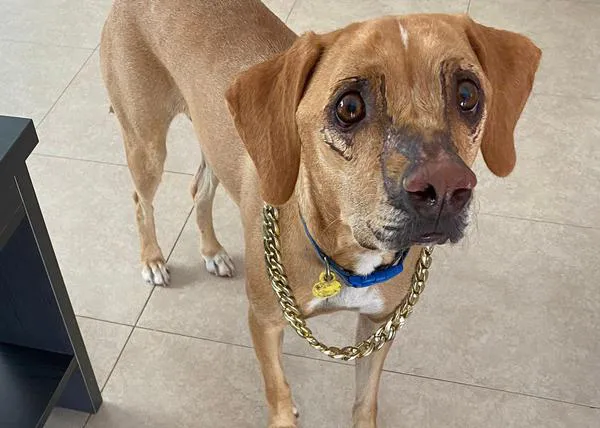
(164, 380)
(90, 216)
(104, 342)
(566, 31)
(67, 23)
(172, 381)
(407, 401)
(558, 166)
(514, 307)
(64, 418)
(281, 8)
(58, 22)
(33, 76)
(323, 16)
(81, 127)
(198, 303)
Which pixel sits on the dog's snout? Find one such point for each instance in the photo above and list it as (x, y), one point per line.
(442, 185)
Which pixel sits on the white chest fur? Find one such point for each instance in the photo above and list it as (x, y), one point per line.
(364, 300)
(367, 263)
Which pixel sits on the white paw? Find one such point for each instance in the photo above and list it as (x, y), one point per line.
(156, 273)
(220, 264)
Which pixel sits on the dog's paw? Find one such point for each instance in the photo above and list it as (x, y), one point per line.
(285, 420)
(156, 273)
(220, 264)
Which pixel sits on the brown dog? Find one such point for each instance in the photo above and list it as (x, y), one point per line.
(367, 132)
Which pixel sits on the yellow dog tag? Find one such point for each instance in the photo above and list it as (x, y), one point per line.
(324, 288)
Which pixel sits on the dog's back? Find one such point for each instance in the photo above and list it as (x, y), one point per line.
(165, 57)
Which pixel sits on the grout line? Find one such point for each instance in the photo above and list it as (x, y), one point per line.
(346, 364)
(290, 12)
(581, 97)
(594, 2)
(112, 369)
(78, 159)
(537, 220)
(89, 416)
(187, 174)
(117, 360)
(54, 45)
(491, 388)
(189, 336)
(140, 314)
(166, 262)
(66, 87)
(469, 6)
(239, 345)
(106, 321)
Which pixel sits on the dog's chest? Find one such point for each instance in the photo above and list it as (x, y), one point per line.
(364, 300)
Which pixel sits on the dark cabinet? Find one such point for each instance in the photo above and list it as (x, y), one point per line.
(43, 360)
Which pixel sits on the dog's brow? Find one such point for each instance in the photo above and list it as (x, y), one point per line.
(349, 79)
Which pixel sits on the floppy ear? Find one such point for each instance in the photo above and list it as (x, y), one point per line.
(509, 61)
(263, 102)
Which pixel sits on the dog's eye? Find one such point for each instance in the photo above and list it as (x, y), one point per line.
(350, 109)
(467, 95)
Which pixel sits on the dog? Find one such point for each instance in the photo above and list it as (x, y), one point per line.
(363, 138)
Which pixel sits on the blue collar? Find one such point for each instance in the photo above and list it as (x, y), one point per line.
(380, 275)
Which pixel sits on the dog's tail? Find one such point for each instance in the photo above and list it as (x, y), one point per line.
(204, 183)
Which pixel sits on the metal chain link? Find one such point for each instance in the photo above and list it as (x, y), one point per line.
(293, 314)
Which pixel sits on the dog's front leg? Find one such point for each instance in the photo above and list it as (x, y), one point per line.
(368, 374)
(267, 338)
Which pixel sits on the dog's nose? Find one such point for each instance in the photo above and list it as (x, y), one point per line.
(443, 185)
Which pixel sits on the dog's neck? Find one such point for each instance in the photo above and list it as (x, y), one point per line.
(331, 234)
(335, 246)
(369, 271)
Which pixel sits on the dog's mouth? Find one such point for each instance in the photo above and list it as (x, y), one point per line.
(432, 238)
(418, 231)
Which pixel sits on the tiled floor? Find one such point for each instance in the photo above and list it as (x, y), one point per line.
(508, 334)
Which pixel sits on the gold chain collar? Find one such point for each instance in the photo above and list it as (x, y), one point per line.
(293, 314)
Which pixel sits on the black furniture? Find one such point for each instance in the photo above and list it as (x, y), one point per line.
(43, 360)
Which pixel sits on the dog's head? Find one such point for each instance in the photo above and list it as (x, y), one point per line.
(376, 125)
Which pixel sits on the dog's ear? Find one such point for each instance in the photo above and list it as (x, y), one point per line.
(263, 102)
(510, 61)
